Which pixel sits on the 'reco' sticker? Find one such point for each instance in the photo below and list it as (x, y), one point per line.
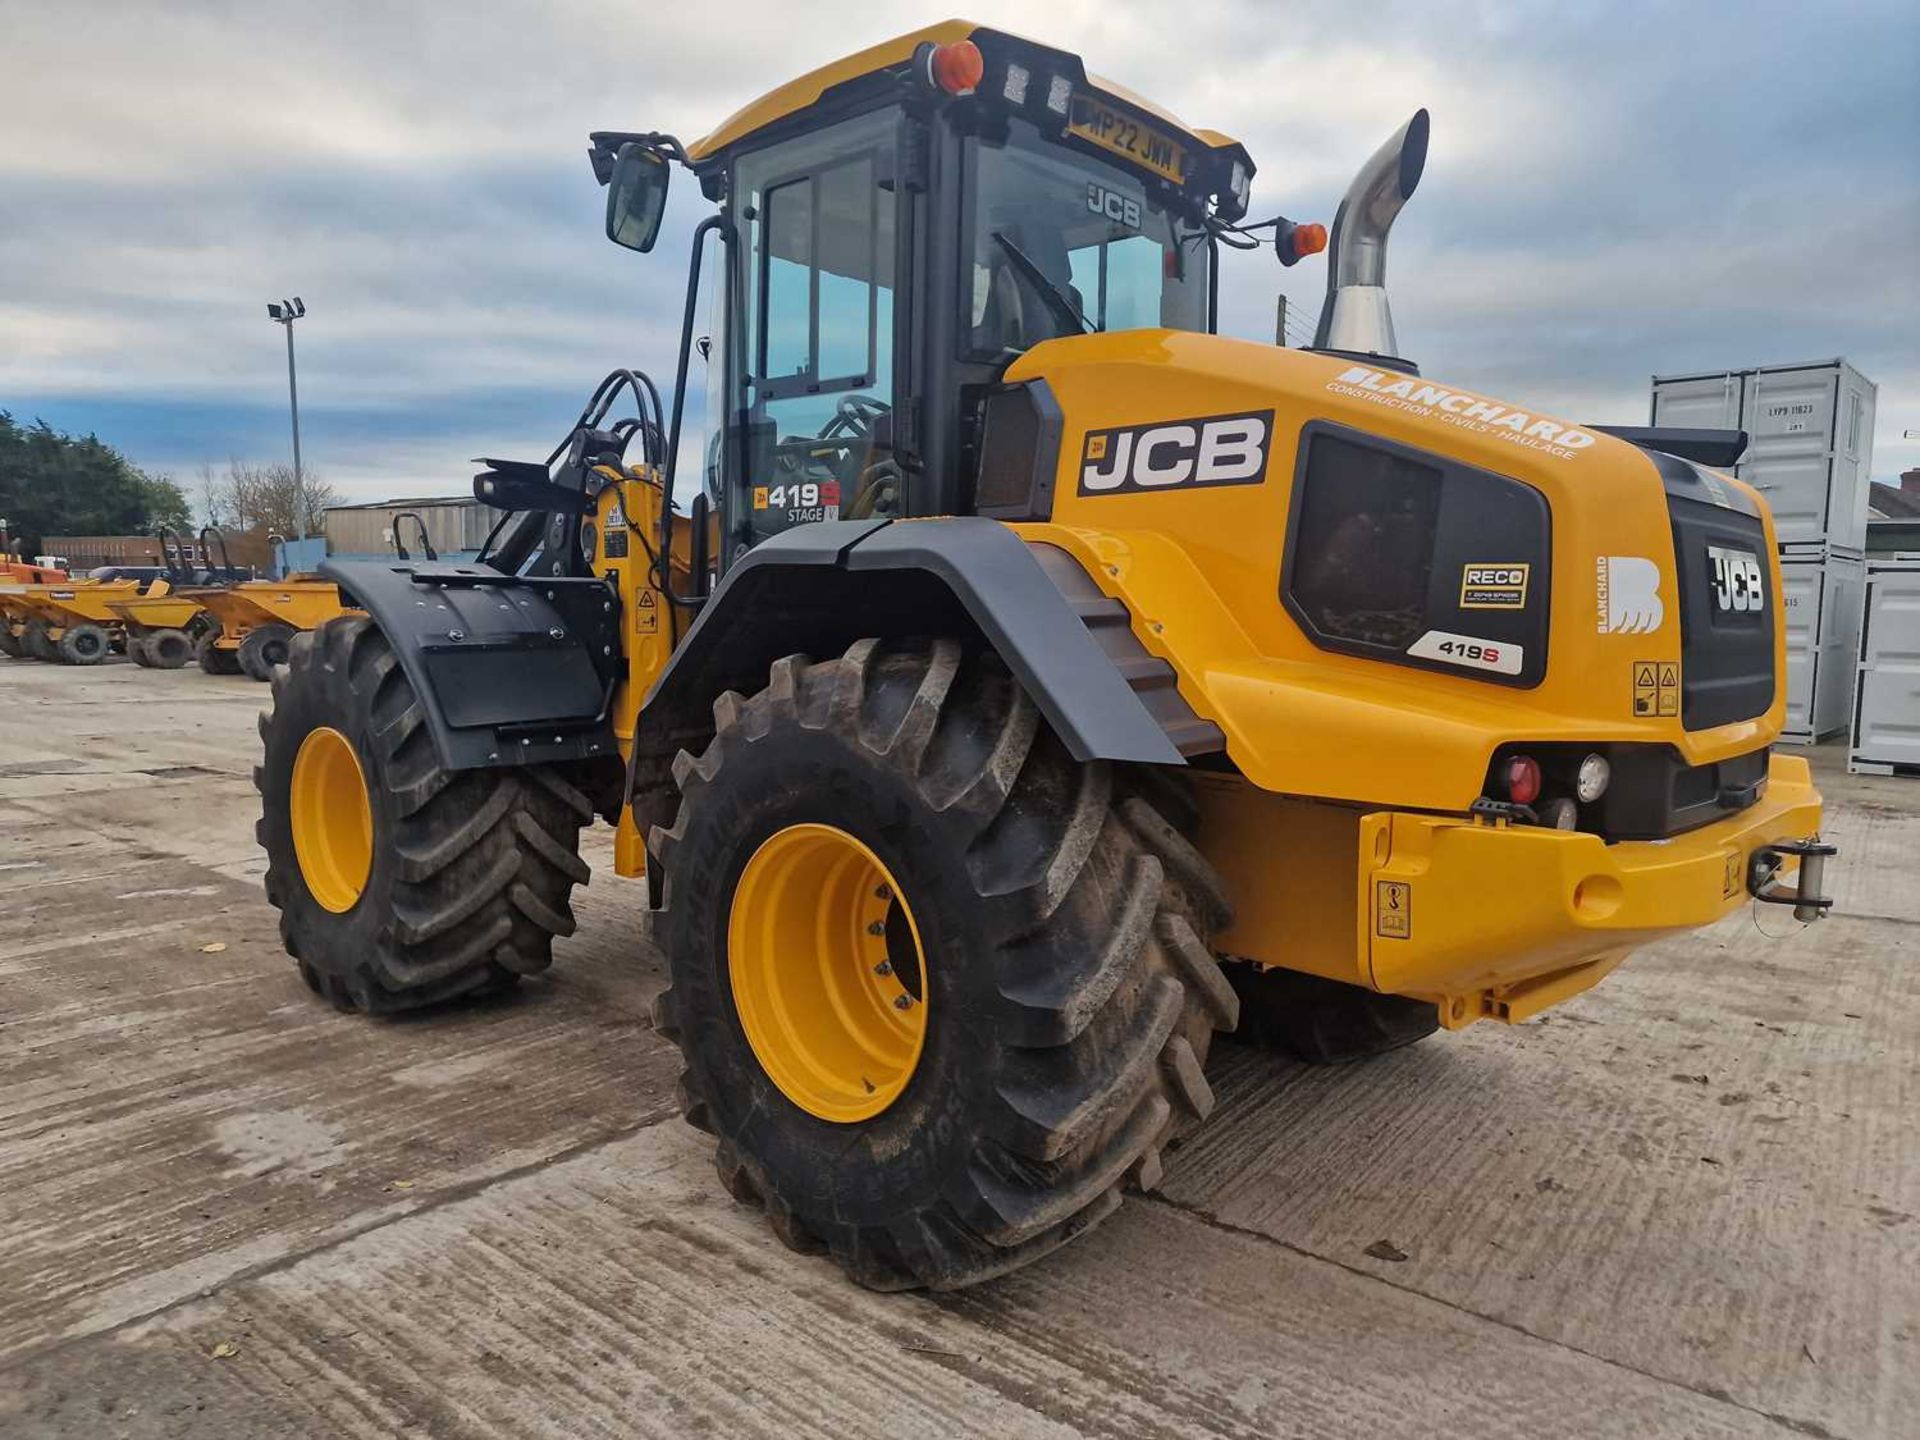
(1493, 587)
(1393, 909)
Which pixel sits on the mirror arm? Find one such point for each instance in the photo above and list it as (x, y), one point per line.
(664, 554)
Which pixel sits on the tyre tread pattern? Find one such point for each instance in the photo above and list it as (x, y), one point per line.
(1110, 997)
(484, 862)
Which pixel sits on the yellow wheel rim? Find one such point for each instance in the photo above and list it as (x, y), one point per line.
(332, 820)
(828, 973)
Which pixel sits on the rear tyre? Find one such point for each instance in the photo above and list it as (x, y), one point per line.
(401, 883)
(1324, 1022)
(263, 649)
(212, 659)
(1059, 944)
(10, 642)
(85, 644)
(37, 644)
(137, 651)
(168, 649)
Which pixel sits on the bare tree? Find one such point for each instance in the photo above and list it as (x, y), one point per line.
(270, 498)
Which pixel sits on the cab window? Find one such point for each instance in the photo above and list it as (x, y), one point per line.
(817, 214)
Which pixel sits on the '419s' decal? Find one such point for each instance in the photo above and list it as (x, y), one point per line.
(1496, 655)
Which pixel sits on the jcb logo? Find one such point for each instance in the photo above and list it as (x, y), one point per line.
(1737, 582)
(1218, 450)
(1121, 209)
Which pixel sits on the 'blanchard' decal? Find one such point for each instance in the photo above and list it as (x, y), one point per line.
(1455, 407)
(1210, 450)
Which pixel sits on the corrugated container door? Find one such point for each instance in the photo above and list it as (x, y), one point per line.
(1705, 402)
(1803, 589)
(1886, 729)
(1842, 595)
(1790, 423)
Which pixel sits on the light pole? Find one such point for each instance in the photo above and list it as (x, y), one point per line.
(284, 313)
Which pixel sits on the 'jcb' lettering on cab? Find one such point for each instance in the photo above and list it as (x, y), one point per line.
(1214, 450)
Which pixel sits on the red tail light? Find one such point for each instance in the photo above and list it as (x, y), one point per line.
(1523, 780)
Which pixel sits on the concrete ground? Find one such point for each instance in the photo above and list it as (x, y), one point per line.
(1686, 1203)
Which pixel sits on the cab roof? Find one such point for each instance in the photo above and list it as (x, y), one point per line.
(800, 94)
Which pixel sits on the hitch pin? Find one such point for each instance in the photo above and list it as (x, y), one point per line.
(1809, 904)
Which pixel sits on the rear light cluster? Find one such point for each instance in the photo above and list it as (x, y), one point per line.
(1521, 781)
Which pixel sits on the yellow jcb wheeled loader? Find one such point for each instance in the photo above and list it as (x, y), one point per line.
(1037, 683)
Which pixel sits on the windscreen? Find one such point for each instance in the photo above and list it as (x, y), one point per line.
(1061, 242)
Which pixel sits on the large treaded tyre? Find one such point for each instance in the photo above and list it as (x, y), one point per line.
(263, 649)
(85, 644)
(1324, 1022)
(211, 659)
(472, 871)
(168, 649)
(37, 642)
(1072, 994)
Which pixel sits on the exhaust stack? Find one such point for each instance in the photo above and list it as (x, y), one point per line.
(1355, 317)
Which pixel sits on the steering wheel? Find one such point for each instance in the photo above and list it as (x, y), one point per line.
(855, 416)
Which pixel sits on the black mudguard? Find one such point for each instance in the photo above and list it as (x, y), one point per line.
(818, 588)
(511, 670)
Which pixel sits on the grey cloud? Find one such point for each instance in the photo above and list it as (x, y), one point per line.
(1614, 189)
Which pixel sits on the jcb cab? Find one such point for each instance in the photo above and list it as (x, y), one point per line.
(1036, 682)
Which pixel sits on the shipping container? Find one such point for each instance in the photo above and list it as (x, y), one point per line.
(1886, 713)
(1809, 447)
(1822, 601)
(455, 526)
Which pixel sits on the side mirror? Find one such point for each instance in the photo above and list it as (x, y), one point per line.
(636, 197)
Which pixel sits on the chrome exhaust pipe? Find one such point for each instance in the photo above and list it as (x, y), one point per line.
(1355, 318)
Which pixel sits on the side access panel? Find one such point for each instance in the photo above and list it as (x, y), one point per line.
(511, 670)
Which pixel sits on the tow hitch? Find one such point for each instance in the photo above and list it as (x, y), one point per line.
(1763, 869)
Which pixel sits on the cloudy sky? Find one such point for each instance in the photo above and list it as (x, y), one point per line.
(1614, 189)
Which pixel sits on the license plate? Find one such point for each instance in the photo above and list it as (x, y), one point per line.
(1098, 122)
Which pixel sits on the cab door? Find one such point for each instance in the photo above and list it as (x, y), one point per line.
(816, 347)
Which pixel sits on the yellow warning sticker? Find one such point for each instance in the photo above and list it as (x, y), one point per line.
(1656, 688)
(760, 497)
(646, 614)
(1393, 909)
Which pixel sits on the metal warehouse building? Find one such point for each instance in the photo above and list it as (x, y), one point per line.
(456, 524)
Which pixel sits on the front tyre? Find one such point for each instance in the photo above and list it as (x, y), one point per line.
(211, 659)
(940, 989)
(168, 649)
(85, 644)
(263, 650)
(401, 883)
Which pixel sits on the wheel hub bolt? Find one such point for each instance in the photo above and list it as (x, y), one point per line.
(885, 967)
(877, 928)
(881, 892)
(902, 1002)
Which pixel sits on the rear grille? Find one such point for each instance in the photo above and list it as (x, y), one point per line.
(1726, 671)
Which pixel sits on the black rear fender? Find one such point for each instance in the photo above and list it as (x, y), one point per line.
(816, 589)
